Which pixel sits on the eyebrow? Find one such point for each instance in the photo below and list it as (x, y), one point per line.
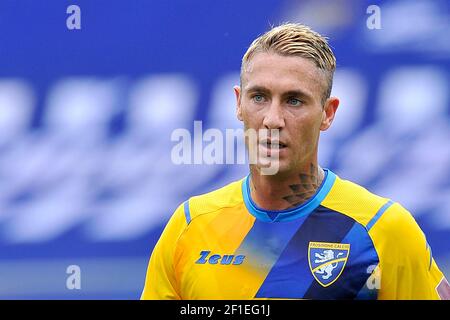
(257, 89)
(290, 93)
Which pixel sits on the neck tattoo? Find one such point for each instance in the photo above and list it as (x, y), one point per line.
(305, 189)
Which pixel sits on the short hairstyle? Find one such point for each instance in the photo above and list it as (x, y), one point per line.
(293, 39)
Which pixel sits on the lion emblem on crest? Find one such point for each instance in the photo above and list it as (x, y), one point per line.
(327, 269)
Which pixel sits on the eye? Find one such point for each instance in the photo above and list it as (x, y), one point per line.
(258, 98)
(294, 102)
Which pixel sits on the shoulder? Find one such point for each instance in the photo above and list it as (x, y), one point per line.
(391, 227)
(225, 197)
(355, 201)
(398, 227)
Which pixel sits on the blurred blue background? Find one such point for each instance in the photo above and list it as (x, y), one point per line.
(86, 118)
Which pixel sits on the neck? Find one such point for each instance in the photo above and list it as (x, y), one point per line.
(283, 192)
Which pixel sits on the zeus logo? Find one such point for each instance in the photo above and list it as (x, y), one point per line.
(215, 258)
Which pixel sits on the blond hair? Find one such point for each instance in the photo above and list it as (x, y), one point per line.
(293, 39)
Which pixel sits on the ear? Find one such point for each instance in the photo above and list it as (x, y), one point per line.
(237, 92)
(328, 113)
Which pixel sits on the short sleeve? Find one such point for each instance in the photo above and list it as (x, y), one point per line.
(161, 282)
(408, 270)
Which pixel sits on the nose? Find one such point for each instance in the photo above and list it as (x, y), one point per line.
(274, 119)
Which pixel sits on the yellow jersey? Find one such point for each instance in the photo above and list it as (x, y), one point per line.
(343, 243)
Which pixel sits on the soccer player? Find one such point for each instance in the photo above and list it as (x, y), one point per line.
(303, 232)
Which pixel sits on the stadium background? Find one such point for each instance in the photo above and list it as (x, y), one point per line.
(86, 118)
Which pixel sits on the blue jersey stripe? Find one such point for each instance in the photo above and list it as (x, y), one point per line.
(362, 259)
(291, 276)
(379, 214)
(264, 242)
(187, 212)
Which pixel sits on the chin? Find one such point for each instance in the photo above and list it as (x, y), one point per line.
(273, 167)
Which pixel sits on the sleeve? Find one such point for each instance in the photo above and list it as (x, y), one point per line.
(407, 268)
(161, 282)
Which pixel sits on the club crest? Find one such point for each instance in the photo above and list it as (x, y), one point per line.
(327, 261)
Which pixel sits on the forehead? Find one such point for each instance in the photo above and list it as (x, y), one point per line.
(283, 73)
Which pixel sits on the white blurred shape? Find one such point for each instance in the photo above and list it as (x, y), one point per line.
(149, 185)
(49, 215)
(410, 25)
(132, 213)
(411, 98)
(140, 170)
(16, 108)
(423, 171)
(222, 111)
(441, 216)
(161, 103)
(414, 194)
(81, 107)
(363, 158)
(222, 116)
(432, 148)
(351, 89)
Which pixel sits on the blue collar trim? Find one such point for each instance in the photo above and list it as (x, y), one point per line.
(288, 214)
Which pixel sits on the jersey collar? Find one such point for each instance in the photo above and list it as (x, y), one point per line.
(293, 213)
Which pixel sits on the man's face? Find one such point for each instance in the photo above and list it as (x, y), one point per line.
(285, 93)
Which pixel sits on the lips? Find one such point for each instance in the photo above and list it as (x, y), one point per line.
(273, 144)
